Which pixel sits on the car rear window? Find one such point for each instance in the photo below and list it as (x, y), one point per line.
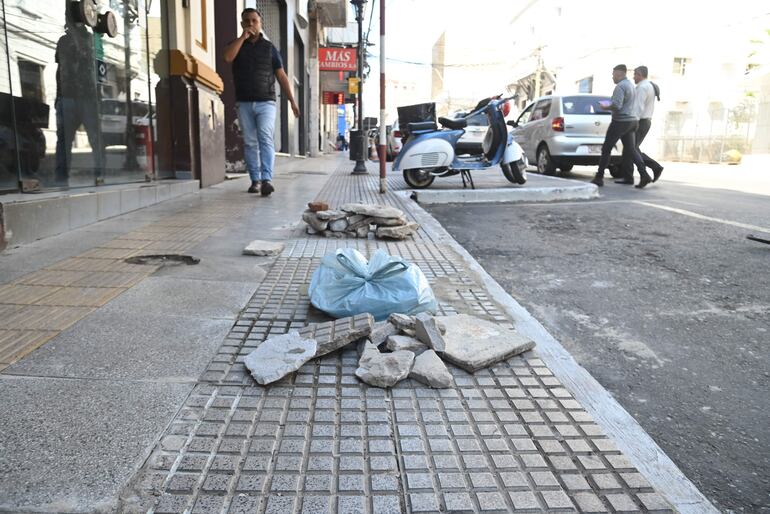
(588, 105)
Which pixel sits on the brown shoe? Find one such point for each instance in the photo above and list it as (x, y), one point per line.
(267, 188)
(255, 187)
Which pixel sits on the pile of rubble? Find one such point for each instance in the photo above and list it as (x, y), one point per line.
(415, 347)
(357, 220)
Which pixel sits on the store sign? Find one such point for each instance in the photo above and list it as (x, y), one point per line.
(333, 97)
(353, 85)
(337, 59)
(101, 72)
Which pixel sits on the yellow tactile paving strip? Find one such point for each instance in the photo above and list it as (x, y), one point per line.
(36, 307)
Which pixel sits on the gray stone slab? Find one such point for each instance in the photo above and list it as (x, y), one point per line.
(383, 369)
(333, 335)
(398, 232)
(402, 321)
(261, 247)
(185, 297)
(128, 345)
(373, 210)
(400, 342)
(71, 445)
(380, 332)
(429, 369)
(278, 356)
(427, 330)
(473, 343)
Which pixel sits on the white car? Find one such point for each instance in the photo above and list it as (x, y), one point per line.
(394, 141)
(475, 130)
(562, 131)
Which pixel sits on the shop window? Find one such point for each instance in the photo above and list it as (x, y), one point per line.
(31, 78)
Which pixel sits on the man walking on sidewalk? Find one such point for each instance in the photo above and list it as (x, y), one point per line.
(622, 127)
(644, 106)
(256, 65)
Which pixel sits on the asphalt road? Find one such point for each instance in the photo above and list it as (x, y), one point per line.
(668, 309)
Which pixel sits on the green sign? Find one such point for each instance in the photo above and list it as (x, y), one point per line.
(99, 46)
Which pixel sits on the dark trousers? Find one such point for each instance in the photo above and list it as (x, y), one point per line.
(627, 167)
(70, 114)
(624, 131)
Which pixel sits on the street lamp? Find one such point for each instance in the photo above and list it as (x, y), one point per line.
(360, 168)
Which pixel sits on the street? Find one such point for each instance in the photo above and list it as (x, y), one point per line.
(661, 297)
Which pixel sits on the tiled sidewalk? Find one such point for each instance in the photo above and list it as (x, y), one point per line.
(508, 438)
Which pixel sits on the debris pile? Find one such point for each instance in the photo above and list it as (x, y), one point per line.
(403, 346)
(358, 220)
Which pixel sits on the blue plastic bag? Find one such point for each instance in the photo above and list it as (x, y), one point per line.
(345, 284)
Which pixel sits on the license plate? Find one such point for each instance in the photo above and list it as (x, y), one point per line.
(589, 149)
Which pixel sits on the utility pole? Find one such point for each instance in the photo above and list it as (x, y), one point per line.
(383, 128)
(538, 73)
(360, 168)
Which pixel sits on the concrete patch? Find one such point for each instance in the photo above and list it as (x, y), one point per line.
(103, 432)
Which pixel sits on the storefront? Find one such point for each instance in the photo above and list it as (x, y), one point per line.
(78, 82)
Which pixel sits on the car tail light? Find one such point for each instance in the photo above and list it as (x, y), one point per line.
(396, 133)
(558, 124)
(506, 108)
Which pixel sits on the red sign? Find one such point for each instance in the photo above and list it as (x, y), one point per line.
(337, 59)
(333, 97)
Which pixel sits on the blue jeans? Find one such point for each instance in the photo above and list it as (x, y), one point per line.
(257, 120)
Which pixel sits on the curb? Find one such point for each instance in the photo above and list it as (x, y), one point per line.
(507, 195)
(662, 473)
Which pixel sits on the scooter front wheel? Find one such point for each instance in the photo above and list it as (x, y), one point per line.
(514, 173)
(418, 178)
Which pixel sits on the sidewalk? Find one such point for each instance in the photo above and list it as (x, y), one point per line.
(139, 401)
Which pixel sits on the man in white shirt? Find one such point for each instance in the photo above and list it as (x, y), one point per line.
(644, 106)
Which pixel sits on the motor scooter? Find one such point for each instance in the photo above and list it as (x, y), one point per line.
(430, 152)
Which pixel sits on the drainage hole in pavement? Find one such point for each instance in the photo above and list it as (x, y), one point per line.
(167, 259)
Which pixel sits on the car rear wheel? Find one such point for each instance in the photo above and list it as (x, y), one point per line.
(565, 168)
(514, 173)
(418, 178)
(545, 165)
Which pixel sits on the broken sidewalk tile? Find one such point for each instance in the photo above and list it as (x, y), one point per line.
(401, 321)
(429, 369)
(338, 225)
(259, 247)
(333, 335)
(331, 215)
(373, 210)
(397, 342)
(399, 232)
(383, 369)
(380, 332)
(427, 330)
(278, 356)
(311, 219)
(473, 343)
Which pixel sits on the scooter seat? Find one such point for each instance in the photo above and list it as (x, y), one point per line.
(453, 123)
(417, 126)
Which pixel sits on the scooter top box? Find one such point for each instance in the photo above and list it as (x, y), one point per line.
(416, 113)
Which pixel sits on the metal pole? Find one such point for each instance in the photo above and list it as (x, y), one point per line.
(360, 168)
(383, 128)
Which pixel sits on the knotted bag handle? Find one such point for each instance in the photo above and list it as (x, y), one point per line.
(390, 269)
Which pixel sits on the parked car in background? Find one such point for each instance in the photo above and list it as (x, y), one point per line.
(395, 142)
(558, 132)
(113, 119)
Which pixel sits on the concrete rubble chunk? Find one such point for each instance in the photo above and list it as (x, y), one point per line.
(373, 210)
(310, 230)
(331, 215)
(397, 342)
(318, 206)
(259, 247)
(400, 232)
(389, 222)
(430, 370)
(362, 231)
(359, 222)
(339, 225)
(333, 235)
(427, 330)
(401, 321)
(311, 219)
(333, 335)
(383, 369)
(473, 343)
(380, 332)
(280, 355)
